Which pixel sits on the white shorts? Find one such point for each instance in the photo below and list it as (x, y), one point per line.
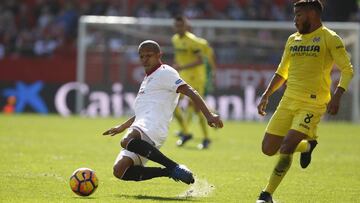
(156, 130)
(137, 159)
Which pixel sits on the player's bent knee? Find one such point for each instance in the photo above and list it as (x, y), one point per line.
(124, 142)
(269, 151)
(134, 134)
(271, 144)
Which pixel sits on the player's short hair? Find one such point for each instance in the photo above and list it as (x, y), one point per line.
(312, 4)
(181, 19)
(150, 44)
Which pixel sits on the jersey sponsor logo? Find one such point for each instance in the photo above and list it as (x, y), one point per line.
(302, 48)
(178, 81)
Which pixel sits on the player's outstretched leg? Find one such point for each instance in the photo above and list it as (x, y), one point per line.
(147, 150)
(177, 172)
(264, 197)
(305, 157)
(140, 173)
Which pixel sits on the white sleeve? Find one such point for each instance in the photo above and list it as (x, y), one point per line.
(171, 80)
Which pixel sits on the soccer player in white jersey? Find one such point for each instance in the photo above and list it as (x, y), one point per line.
(306, 66)
(147, 130)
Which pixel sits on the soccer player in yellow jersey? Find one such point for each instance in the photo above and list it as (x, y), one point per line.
(189, 62)
(305, 66)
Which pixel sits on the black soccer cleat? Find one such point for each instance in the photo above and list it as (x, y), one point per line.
(264, 197)
(205, 144)
(182, 173)
(305, 157)
(179, 134)
(183, 139)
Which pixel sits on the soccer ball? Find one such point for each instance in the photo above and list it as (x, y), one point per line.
(83, 181)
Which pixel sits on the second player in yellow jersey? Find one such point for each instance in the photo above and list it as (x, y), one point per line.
(189, 61)
(306, 67)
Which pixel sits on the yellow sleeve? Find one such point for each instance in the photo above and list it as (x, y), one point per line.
(342, 60)
(283, 68)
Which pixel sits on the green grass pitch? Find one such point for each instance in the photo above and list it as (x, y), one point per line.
(39, 153)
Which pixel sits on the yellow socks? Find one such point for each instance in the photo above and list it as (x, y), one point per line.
(303, 146)
(282, 166)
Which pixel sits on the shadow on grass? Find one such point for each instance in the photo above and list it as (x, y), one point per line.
(84, 198)
(157, 198)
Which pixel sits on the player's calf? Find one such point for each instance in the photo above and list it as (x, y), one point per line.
(140, 173)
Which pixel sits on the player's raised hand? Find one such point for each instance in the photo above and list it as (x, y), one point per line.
(215, 121)
(262, 105)
(115, 130)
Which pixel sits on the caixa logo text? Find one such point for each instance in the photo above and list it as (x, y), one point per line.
(119, 103)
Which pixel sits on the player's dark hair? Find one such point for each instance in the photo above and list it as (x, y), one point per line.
(180, 18)
(311, 4)
(150, 44)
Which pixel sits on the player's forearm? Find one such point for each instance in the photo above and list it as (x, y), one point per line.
(200, 103)
(276, 82)
(196, 99)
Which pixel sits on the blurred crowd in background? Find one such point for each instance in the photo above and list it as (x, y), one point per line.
(37, 28)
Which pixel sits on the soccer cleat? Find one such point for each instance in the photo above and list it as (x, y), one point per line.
(182, 173)
(183, 139)
(179, 134)
(205, 144)
(265, 197)
(305, 157)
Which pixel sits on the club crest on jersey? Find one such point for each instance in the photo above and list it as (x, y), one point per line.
(316, 39)
(178, 81)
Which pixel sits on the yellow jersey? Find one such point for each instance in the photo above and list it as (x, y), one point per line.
(186, 49)
(307, 62)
